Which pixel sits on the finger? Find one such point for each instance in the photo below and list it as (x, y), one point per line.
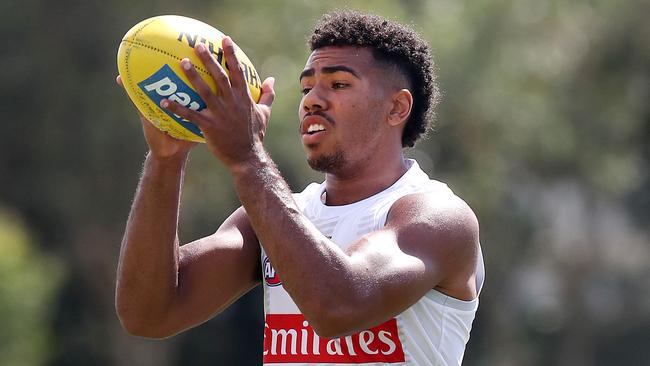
(118, 80)
(186, 113)
(268, 93)
(200, 85)
(214, 68)
(235, 70)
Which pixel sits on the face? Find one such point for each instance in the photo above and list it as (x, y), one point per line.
(343, 108)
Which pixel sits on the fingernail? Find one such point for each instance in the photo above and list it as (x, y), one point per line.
(186, 64)
(164, 103)
(228, 41)
(200, 47)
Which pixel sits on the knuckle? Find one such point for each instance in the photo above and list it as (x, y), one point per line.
(203, 89)
(206, 57)
(221, 75)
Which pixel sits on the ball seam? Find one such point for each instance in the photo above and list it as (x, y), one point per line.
(166, 54)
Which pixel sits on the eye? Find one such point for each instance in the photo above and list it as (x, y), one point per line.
(305, 90)
(339, 85)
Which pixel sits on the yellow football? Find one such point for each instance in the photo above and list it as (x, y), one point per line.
(148, 61)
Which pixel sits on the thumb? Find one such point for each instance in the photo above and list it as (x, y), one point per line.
(268, 94)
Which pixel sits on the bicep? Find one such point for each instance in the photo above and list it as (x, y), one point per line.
(215, 271)
(426, 243)
(393, 276)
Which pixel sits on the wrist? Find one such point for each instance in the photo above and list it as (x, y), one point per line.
(253, 161)
(167, 161)
(247, 168)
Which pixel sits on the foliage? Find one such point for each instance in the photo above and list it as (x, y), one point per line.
(28, 281)
(544, 130)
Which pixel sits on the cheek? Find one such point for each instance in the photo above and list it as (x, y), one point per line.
(301, 105)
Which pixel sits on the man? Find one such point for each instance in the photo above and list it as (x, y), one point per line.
(378, 264)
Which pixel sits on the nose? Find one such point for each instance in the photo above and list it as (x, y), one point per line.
(314, 100)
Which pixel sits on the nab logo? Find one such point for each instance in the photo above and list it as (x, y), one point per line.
(270, 276)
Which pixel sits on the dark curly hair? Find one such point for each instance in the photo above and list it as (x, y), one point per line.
(392, 44)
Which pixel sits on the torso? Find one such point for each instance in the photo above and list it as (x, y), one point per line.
(433, 331)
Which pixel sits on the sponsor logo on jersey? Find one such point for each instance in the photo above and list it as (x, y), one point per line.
(288, 338)
(270, 275)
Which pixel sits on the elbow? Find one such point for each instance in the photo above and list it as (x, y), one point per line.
(140, 325)
(134, 328)
(340, 313)
(333, 321)
(328, 331)
(140, 329)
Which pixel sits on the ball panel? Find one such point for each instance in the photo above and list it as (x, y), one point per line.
(147, 83)
(148, 60)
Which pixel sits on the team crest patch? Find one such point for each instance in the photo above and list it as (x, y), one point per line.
(270, 275)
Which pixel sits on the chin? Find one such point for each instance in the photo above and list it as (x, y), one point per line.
(327, 163)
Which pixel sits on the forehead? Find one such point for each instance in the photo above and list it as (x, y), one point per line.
(358, 58)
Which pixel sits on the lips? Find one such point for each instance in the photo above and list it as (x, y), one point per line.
(314, 129)
(314, 123)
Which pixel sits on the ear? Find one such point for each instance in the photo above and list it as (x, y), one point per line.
(401, 108)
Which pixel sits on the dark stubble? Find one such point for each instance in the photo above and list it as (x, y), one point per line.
(328, 163)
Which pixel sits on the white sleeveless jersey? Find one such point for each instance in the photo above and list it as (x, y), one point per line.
(433, 331)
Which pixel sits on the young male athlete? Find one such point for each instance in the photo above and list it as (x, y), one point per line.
(378, 264)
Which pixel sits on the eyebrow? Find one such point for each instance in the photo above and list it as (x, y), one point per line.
(328, 70)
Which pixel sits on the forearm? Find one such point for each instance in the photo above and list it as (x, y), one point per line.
(299, 252)
(148, 264)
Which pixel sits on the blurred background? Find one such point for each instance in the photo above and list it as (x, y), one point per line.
(544, 130)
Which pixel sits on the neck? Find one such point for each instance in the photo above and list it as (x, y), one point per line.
(364, 180)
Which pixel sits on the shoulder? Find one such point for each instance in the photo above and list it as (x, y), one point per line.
(430, 204)
(440, 225)
(442, 210)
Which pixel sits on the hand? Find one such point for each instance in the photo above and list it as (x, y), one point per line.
(161, 145)
(232, 123)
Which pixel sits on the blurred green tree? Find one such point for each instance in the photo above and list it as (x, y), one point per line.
(544, 129)
(29, 280)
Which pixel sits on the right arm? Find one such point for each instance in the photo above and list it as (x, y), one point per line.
(163, 288)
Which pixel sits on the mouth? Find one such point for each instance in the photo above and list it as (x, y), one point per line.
(313, 124)
(314, 129)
